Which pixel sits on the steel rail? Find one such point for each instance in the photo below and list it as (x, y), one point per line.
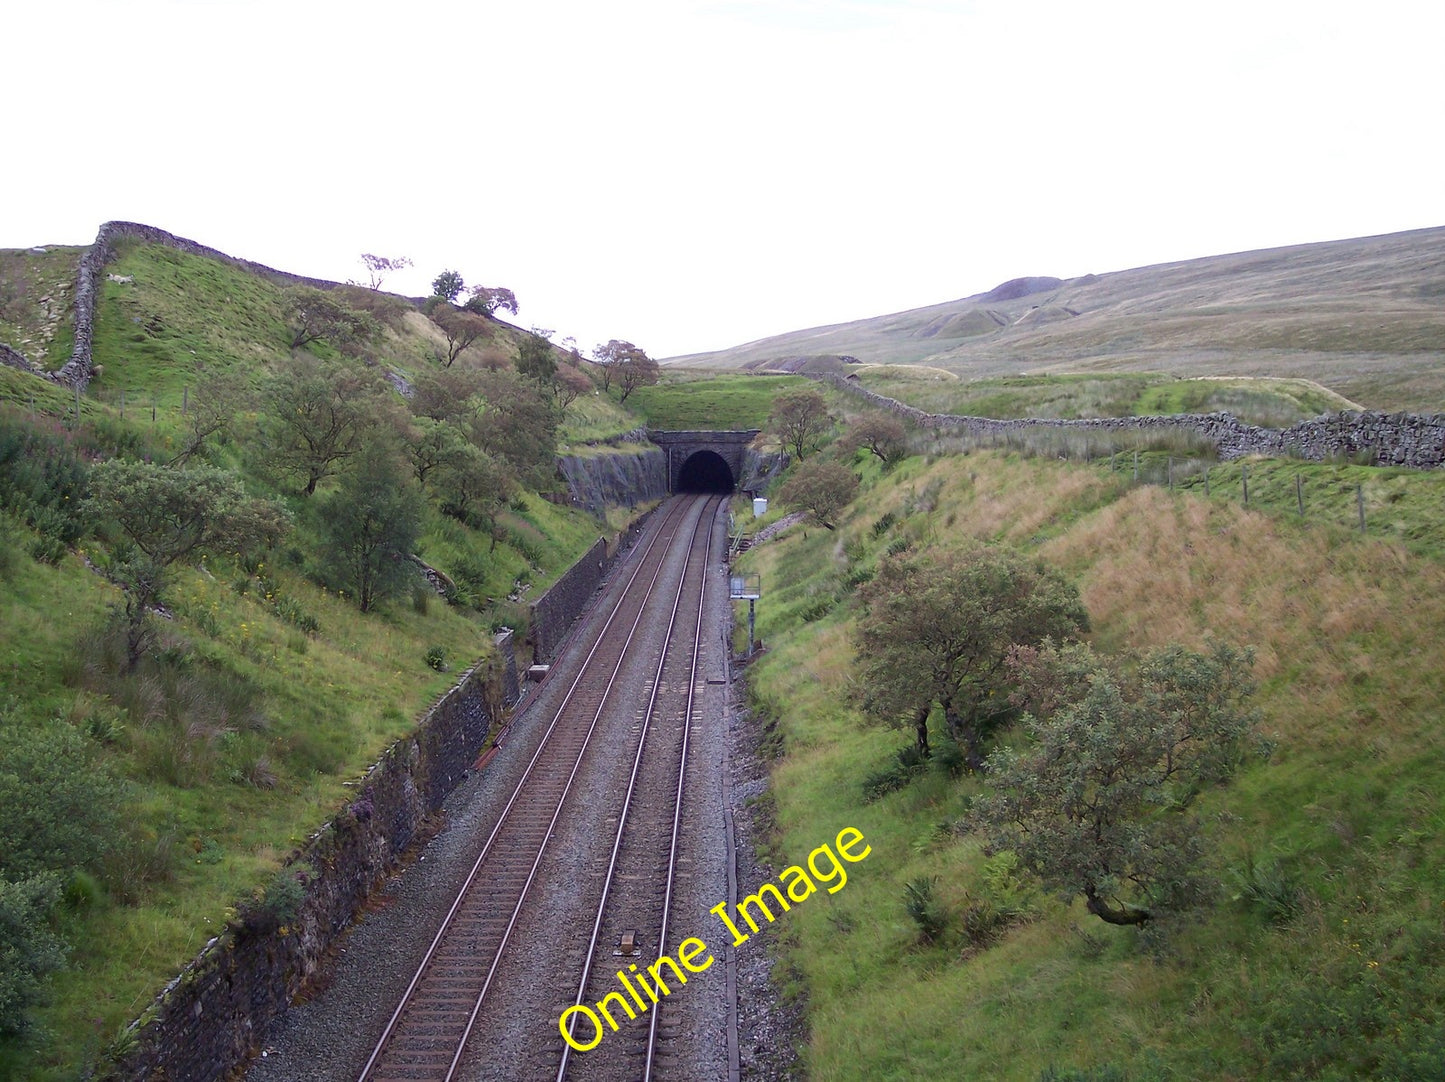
(677, 807)
(672, 521)
(705, 522)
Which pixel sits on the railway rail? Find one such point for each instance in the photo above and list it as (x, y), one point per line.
(649, 829)
(427, 1035)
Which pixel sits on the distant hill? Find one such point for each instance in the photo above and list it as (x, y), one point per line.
(1363, 317)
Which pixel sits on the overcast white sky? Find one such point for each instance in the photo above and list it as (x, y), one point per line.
(693, 174)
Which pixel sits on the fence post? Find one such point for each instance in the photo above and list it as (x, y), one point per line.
(1136, 463)
(122, 403)
(185, 400)
(1360, 502)
(1244, 480)
(1171, 473)
(1299, 494)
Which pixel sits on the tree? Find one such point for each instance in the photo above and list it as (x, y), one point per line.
(370, 524)
(799, 418)
(317, 415)
(820, 488)
(535, 359)
(473, 486)
(487, 300)
(431, 444)
(212, 409)
(168, 516)
(881, 433)
(518, 425)
(636, 371)
(1098, 806)
(937, 633)
(611, 356)
(447, 394)
(448, 285)
(379, 266)
(571, 383)
(461, 329)
(315, 315)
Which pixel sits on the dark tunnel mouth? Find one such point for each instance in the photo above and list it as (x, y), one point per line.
(705, 471)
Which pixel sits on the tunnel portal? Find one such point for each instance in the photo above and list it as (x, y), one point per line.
(705, 471)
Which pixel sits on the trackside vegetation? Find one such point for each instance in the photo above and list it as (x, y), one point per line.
(265, 538)
(1298, 932)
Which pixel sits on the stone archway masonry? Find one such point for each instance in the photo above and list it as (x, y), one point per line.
(730, 446)
(1392, 439)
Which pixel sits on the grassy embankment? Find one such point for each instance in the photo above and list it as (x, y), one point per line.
(269, 694)
(685, 399)
(1273, 403)
(1323, 955)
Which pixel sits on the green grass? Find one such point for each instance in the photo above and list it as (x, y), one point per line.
(685, 400)
(36, 303)
(1349, 809)
(593, 418)
(1400, 504)
(1274, 403)
(219, 799)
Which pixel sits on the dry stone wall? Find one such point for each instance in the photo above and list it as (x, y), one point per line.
(1388, 439)
(214, 1015)
(91, 272)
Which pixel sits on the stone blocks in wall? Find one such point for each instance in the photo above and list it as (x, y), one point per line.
(1387, 439)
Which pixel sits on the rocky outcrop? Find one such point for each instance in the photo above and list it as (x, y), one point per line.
(614, 479)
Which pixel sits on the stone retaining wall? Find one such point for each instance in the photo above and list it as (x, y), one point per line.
(616, 479)
(553, 614)
(214, 1015)
(1389, 439)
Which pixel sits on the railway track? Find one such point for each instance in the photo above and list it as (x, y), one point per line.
(635, 906)
(427, 1035)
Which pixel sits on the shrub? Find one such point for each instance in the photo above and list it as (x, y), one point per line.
(436, 658)
(925, 910)
(29, 950)
(1268, 888)
(908, 763)
(59, 808)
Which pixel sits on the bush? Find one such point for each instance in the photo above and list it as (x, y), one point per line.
(436, 658)
(908, 764)
(29, 950)
(59, 809)
(926, 911)
(1268, 888)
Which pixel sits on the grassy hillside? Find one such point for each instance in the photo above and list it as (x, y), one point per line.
(1269, 402)
(1361, 317)
(265, 692)
(1322, 955)
(36, 317)
(684, 400)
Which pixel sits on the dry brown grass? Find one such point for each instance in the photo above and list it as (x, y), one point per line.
(1324, 614)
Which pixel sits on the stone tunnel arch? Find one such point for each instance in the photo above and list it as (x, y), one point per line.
(706, 471)
(714, 461)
